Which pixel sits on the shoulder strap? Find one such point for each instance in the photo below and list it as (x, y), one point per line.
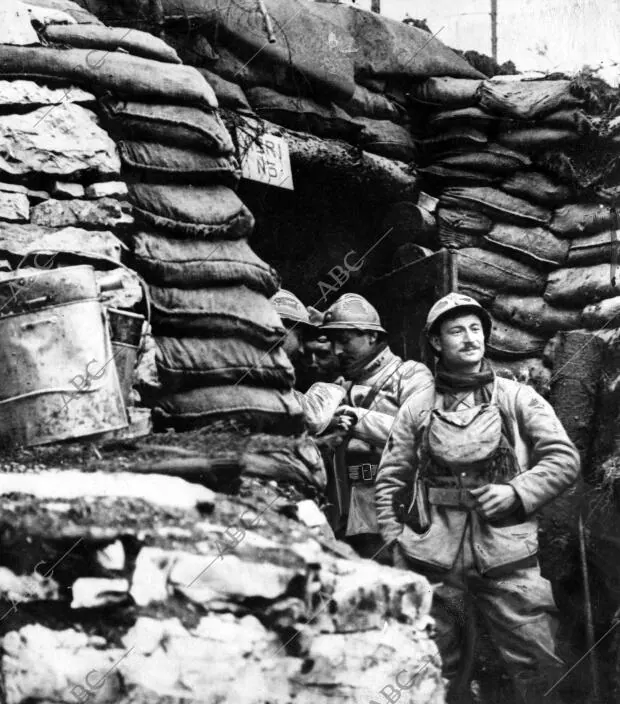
(370, 397)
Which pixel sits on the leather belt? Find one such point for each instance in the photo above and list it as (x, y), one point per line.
(365, 472)
(455, 498)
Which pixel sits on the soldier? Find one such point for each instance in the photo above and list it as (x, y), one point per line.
(320, 363)
(377, 383)
(468, 464)
(298, 327)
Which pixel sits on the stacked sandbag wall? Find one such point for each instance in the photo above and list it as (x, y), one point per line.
(218, 338)
(524, 177)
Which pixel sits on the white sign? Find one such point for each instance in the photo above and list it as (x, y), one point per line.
(265, 158)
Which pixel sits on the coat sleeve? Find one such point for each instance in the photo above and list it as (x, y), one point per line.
(554, 459)
(374, 426)
(396, 470)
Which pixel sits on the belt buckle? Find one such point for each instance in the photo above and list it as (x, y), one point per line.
(366, 471)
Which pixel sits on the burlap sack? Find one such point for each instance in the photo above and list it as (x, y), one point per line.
(582, 219)
(202, 263)
(537, 187)
(452, 92)
(581, 285)
(534, 313)
(499, 272)
(535, 243)
(512, 342)
(497, 205)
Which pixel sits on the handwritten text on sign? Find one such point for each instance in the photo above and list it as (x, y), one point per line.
(265, 159)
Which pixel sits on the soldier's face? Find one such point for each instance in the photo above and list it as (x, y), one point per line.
(321, 362)
(350, 346)
(460, 343)
(293, 343)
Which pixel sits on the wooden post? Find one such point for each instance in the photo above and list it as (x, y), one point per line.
(494, 29)
(375, 6)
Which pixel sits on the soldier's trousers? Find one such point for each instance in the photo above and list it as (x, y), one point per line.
(516, 609)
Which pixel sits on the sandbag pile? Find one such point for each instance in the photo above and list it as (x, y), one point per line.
(536, 247)
(174, 216)
(332, 70)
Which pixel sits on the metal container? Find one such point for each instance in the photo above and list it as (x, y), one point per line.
(126, 333)
(57, 376)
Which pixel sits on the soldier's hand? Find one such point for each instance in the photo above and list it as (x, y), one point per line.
(344, 418)
(492, 500)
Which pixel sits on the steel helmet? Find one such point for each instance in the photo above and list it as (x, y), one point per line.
(352, 312)
(289, 307)
(457, 302)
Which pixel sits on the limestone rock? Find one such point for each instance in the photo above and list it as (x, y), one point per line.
(66, 189)
(15, 25)
(14, 207)
(72, 484)
(22, 239)
(20, 588)
(225, 659)
(111, 557)
(91, 592)
(107, 189)
(129, 295)
(28, 93)
(57, 140)
(150, 577)
(338, 668)
(363, 594)
(104, 212)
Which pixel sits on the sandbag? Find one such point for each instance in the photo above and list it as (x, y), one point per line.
(530, 371)
(483, 294)
(445, 176)
(529, 139)
(537, 187)
(499, 272)
(386, 138)
(177, 125)
(214, 212)
(124, 75)
(228, 94)
(582, 218)
(527, 100)
(460, 228)
(110, 39)
(494, 158)
(257, 409)
(534, 313)
(302, 114)
(191, 362)
(375, 106)
(497, 204)
(179, 164)
(510, 341)
(594, 249)
(463, 117)
(222, 311)
(581, 285)
(605, 313)
(201, 263)
(455, 138)
(452, 92)
(535, 243)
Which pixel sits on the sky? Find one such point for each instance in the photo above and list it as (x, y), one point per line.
(538, 35)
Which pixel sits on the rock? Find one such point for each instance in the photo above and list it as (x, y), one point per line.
(22, 239)
(15, 25)
(72, 484)
(40, 664)
(14, 207)
(310, 514)
(225, 659)
(338, 668)
(13, 188)
(104, 212)
(49, 15)
(112, 557)
(30, 94)
(67, 8)
(57, 140)
(149, 583)
(128, 296)
(64, 189)
(107, 189)
(92, 592)
(20, 588)
(363, 594)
